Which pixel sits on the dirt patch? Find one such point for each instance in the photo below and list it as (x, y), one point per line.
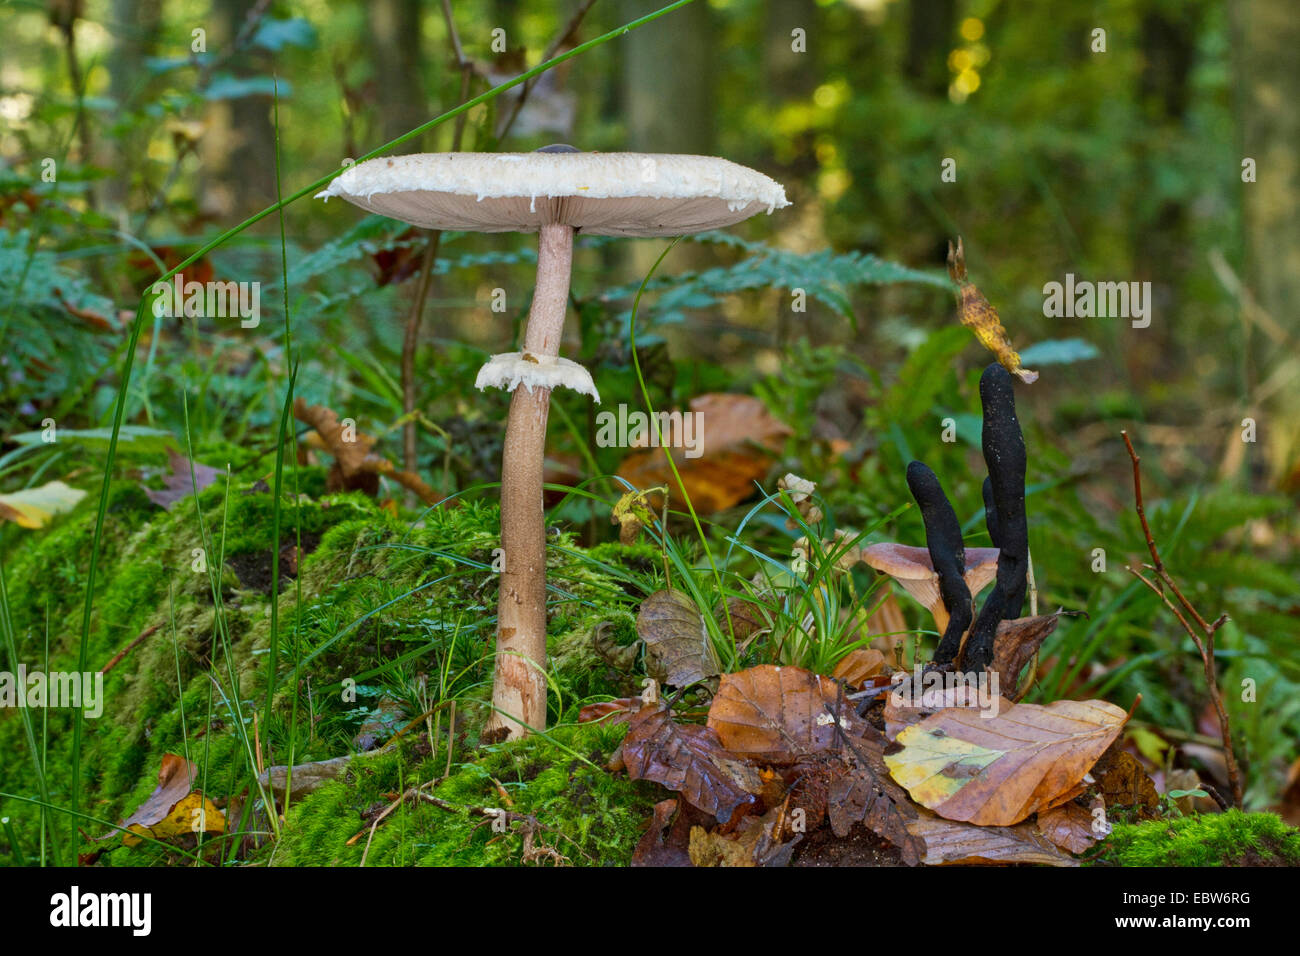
(860, 848)
(253, 568)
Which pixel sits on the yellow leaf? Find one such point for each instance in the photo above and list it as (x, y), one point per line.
(34, 507)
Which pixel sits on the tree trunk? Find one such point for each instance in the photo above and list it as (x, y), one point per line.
(395, 44)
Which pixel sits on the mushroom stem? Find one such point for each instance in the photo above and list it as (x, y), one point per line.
(519, 684)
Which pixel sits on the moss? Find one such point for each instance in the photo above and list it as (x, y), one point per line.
(373, 587)
(1233, 838)
(588, 815)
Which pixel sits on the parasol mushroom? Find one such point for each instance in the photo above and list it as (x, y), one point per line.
(556, 192)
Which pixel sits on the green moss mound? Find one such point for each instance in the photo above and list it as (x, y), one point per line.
(584, 814)
(368, 600)
(1233, 838)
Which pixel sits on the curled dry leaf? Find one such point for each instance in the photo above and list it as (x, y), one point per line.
(779, 714)
(735, 443)
(1015, 643)
(667, 840)
(689, 759)
(979, 315)
(676, 639)
(1122, 782)
(618, 711)
(996, 771)
(173, 809)
(1071, 826)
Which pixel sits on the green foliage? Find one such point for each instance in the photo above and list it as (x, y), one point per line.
(1233, 838)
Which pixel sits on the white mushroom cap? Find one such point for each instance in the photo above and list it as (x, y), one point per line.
(602, 194)
(509, 370)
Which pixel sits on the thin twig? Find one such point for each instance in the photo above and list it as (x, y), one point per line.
(411, 340)
(117, 658)
(1204, 641)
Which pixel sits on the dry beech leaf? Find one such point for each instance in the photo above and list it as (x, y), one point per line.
(175, 779)
(1122, 782)
(617, 711)
(676, 639)
(739, 440)
(779, 714)
(859, 665)
(996, 771)
(1069, 826)
(901, 712)
(689, 759)
(1290, 808)
(173, 809)
(193, 814)
(951, 842)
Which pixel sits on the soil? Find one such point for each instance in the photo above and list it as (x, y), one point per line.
(253, 568)
(860, 848)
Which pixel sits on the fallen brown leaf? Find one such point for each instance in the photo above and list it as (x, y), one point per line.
(996, 771)
(680, 652)
(779, 714)
(739, 440)
(689, 759)
(1069, 826)
(951, 842)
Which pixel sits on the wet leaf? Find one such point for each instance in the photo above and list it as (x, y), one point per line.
(996, 771)
(779, 714)
(689, 759)
(676, 639)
